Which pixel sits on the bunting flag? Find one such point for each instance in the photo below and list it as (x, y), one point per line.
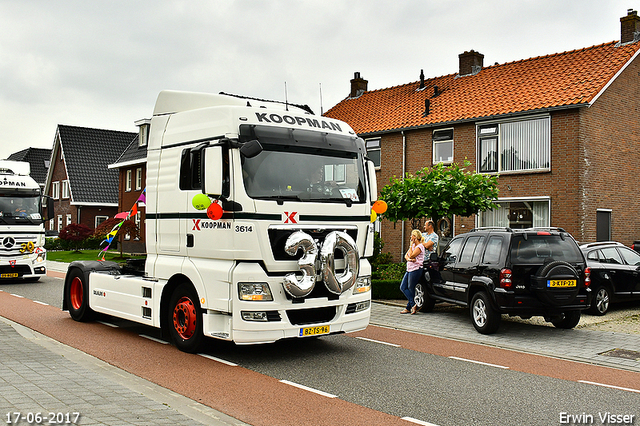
(124, 216)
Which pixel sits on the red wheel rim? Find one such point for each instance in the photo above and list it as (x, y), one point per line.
(184, 318)
(76, 293)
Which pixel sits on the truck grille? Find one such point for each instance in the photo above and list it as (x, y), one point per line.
(311, 316)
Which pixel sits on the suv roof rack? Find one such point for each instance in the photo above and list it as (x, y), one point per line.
(544, 228)
(602, 243)
(492, 228)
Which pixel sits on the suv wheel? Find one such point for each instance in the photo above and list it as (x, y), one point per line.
(422, 299)
(485, 319)
(600, 302)
(568, 320)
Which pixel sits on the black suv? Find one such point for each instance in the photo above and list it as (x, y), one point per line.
(520, 272)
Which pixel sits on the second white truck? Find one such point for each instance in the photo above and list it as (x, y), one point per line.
(258, 227)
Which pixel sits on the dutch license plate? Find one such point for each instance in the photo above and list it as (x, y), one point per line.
(12, 275)
(561, 283)
(314, 331)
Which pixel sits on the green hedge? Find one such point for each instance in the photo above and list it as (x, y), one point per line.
(386, 289)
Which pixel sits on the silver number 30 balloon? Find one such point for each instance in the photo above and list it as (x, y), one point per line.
(336, 240)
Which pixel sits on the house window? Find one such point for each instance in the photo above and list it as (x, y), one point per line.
(100, 219)
(55, 190)
(128, 181)
(443, 146)
(515, 146)
(136, 220)
(65, 189)
(59, 222)
(139, 178)
(52, 223)
(373, 151)
(517, 214)
(68, 219)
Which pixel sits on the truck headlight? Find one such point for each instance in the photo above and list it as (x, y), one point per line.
(363, 285)
(254, 291)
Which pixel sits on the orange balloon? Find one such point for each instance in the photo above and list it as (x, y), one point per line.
(214, 211)
(379, 207)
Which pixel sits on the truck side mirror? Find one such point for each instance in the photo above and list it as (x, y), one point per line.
(373, 185)
(50, 212)
(212, 171)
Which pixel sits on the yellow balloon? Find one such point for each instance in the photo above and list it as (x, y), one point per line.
(373, 216)
(379, 207)
(200, 201)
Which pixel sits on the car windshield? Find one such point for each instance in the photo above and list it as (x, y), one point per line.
(17, 207)
(537, 249)
(304, 166)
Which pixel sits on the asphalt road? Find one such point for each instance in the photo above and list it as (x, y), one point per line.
(393, 375)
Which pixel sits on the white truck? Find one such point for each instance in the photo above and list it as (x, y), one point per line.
(282, 250)
(22, 237)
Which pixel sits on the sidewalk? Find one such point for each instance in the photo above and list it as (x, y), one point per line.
(40, 375)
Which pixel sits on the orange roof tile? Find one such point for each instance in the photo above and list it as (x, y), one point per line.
(558, 80)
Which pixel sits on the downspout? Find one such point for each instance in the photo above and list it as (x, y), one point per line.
(404, 172)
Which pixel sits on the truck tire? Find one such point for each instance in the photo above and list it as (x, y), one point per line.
(185, 319)
(485, 319)
(77, 296)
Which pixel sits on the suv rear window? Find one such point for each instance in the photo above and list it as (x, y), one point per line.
(535, 249)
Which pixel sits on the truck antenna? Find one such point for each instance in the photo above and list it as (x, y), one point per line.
(286, 97)
(321, 108)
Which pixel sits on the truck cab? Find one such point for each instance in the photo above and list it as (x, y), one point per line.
(258, 219)
(22, 235)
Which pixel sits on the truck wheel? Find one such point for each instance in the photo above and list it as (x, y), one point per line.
(185, 319)
(77, 296)
(485, 319)
(568, 320)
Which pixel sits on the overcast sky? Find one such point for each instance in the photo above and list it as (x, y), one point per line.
(101, 64)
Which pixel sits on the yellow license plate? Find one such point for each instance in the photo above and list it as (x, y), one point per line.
(561, 283)
(314, 331)
(13, 275)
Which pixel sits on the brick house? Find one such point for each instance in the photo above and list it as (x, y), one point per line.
(84, 189)
(561, 131)
(132, 172)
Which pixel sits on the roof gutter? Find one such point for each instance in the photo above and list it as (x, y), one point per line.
(479, 119)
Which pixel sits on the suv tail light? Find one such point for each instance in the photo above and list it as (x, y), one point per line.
(587, 277)
(505, 278)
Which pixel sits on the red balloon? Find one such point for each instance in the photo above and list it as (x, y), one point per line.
(214, 211)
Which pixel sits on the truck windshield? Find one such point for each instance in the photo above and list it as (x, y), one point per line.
(16, 208)
(305, 166)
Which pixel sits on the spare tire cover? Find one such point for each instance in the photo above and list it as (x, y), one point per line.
(557, 283)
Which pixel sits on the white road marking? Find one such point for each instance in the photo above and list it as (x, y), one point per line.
(609, 386)
(41, 303)
(154, 339)
(17, 295)
(222, 361)
(418, 422)
(108, 323)
(479, 362)
(319, 392)
(378, 341)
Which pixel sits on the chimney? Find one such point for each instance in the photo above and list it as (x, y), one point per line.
(470, 63)
(358, 85)
(630, 27)
(421, 79)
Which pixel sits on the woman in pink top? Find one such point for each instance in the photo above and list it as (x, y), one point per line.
(414, 258)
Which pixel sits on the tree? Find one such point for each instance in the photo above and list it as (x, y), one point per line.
(75, 234)
(441, 191)
(127, 227)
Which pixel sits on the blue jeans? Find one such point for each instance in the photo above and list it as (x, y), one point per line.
(408, 285)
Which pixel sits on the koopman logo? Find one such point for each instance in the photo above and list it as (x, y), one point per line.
(7, 182)
(264, 117)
